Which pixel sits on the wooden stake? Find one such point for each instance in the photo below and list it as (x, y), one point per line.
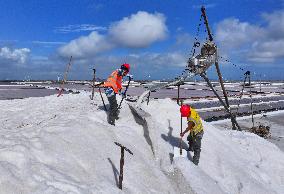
(251, 106)
(178, 95)
(122, 148)
(94, 80)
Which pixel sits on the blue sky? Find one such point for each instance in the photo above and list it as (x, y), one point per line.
(155, 37)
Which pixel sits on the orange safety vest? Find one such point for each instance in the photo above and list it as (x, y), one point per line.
(114, 81)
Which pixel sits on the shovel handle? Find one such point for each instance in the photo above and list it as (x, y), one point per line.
(180, 148)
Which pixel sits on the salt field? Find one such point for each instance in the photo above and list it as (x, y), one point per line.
(266, 100)
(266, 97)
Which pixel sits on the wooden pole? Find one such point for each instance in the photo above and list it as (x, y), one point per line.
(94, 80)
(122, 148)
(251, 106)
(217, 65)
(178, 94)
(206, 23)
(102, 99)
(121, 168)
(224, 90)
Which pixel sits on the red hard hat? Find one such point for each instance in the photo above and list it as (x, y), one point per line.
(126, 67)
(185, 110)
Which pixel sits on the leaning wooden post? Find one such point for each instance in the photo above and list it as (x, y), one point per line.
(94, 80)
(102, 99)
(224, 91)
(217, 65)
(122, 162)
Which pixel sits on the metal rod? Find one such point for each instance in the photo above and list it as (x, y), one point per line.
(124, 94)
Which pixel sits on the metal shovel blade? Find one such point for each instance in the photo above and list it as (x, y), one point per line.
(177, 153)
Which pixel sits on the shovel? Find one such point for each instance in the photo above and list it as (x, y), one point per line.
(178, 151)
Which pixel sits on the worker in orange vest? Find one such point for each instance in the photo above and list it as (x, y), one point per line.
(195, 129)
(113, 86)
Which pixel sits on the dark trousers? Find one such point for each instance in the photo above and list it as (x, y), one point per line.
(194, 143)
(112, 110)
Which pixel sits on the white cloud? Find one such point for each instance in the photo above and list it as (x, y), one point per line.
(184, 40)
(231, 33)
(18, 56)
(79, 28)
(267, 51)
(139, 30)
(260, 44)
(86, 46)
(275, 22)
(174, 59)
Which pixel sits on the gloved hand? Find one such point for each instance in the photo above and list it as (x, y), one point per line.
(109, 92)
(130, 76)
(121, 93)
(181, 134)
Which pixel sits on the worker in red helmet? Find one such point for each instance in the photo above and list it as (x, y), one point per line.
(113, 86)
(195, 129)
